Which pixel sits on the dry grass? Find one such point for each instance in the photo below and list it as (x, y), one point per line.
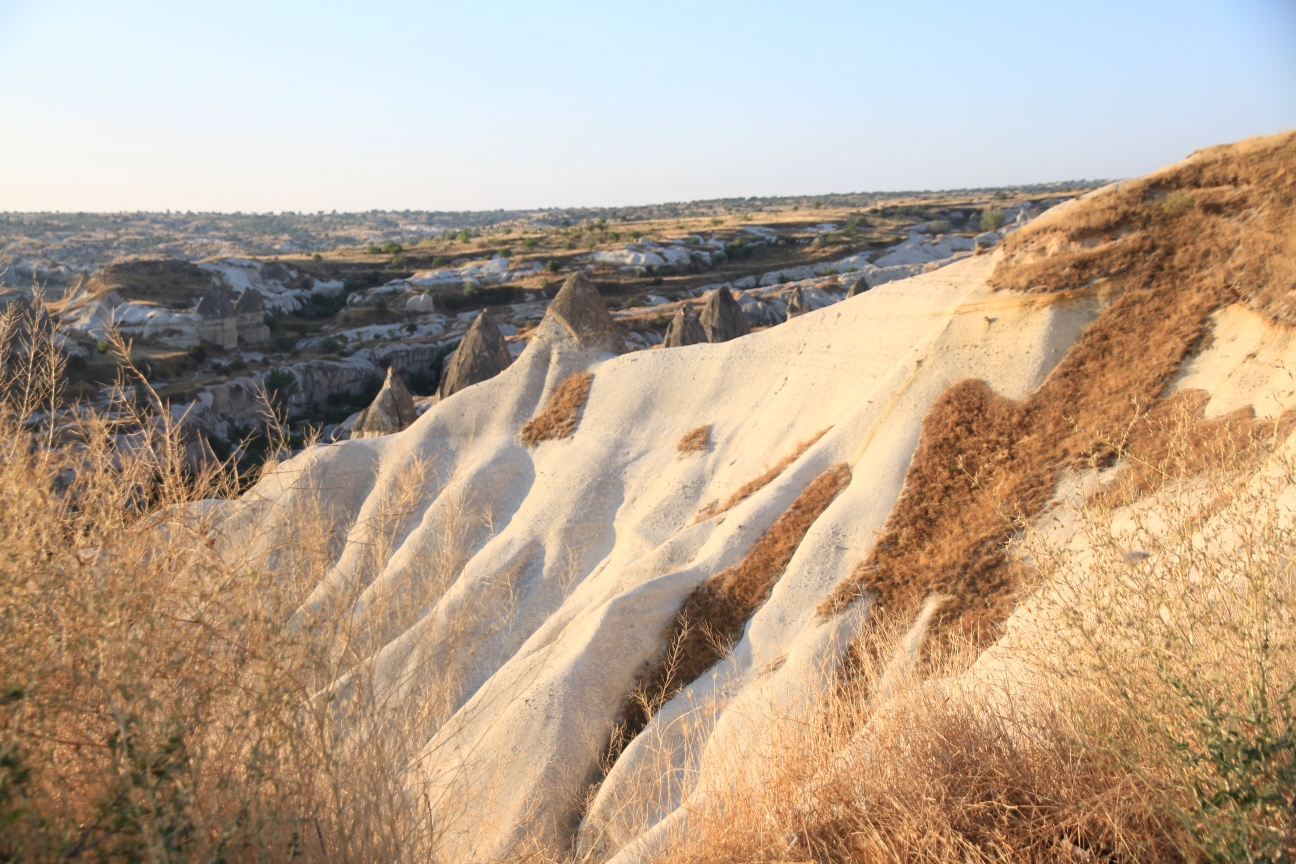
(153, 704)
(984, 461)
(713, 615)
(695, 441)
(715, 508)
(1221, 222)
(561, 414)
(1149, 713)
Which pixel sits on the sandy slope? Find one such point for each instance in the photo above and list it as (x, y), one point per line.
(578, 552)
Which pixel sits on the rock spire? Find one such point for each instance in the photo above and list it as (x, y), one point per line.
(391, 411)
(796, 304)
(684, 329)
(482, 354)
(722, 319)
(580, 310)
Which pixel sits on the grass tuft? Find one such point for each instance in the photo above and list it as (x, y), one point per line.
(695, 441)
(715, 508)
(562, 413)
(713, 615)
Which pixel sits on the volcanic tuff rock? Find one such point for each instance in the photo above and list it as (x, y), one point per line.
(796, 304)
(482, 354)
(250, 311)
(217, 322)
(722, 319)
(684, 329)
(391, 411)
(594, 545)
(580, 310)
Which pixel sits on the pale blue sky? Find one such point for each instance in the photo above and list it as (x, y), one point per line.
(274, 105)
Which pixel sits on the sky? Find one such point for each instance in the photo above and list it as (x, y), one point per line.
(396, 104)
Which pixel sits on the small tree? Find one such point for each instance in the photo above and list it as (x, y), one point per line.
(992, 220)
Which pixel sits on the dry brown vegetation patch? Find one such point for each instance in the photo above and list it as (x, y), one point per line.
(715, 508)
(561, 414)
(177, 284)
(695, 441)
(712, 617)
(1184, 242)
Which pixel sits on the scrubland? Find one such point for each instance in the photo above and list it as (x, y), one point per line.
(168, 693)
(156, 705)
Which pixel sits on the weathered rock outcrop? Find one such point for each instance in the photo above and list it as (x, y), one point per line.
(391, 411)
(580, 310)
(796, 304)
(684, 329)
(250, 314)
(722, 319)
(481, 355)
(217, 321)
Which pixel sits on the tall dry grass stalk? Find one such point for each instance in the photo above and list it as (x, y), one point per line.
(154, 706)
(1141, 707)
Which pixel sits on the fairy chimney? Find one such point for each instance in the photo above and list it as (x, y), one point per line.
(482, 354)
(391, 410)
(684, 329)
(722, 318)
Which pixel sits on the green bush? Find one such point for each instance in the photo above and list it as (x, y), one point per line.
(506, 252)
(440, 261)
(280, 384)
(530, 242)
(551, 265)
(391, 248)
(373, 249)
(938, 226)
(992, 220)
(329, 345)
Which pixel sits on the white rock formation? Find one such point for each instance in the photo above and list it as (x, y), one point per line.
(594, 536)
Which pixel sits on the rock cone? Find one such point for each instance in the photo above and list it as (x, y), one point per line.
(250, 311)
(684, 329)
(217, 322)
(580, 310)
(215, 303)
(797, 304)
(481, 355)
(722, 318)
(859, 286)
(391, 411)
(249, 302)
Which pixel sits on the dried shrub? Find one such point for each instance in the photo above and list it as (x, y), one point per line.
(939, 779)
(712, 617)
(984, 461)
(1219, 222)
(695, 441)
(1148, 713)
(561, 414)
(715, 508)
(153, 704)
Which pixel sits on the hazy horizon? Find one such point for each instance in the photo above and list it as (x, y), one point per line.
(294, 107)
